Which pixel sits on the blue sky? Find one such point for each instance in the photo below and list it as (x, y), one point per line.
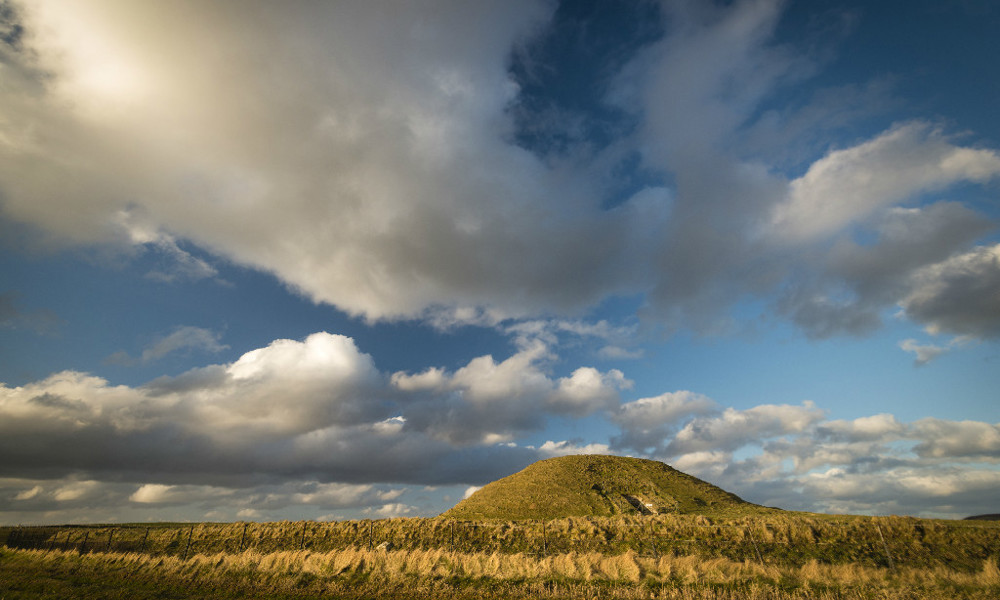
(313, 260)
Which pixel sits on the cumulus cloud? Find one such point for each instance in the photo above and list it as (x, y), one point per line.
(958, 439)
(317, 407)
(734, 429)
(376, 163)
(847, 185)
(792, 457)
(391, 510)
(872, 428)
(924, 353)
(566, 448)
(620, 339)
(852, 283)
(179, 264)
(646, 422)
(367, 165)
(959, 295)
(491, 402)
(371, 158)
(313, 423)
(74, 499)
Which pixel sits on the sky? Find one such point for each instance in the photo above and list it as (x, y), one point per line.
(339, 260)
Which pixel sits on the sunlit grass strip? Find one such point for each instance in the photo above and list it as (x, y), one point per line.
(783, 538)
(409, 573)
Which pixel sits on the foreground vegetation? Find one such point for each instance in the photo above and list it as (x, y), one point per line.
(778, 538)
(773, 555)
(406, 574)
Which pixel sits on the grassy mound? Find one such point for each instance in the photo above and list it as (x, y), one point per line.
(596, 486)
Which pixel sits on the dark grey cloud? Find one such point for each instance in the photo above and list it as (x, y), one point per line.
(12, 316)
(853, 282)
(960, 295)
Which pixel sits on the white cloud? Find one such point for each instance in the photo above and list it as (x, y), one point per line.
(664, 409)
(924, 353)
(735, 428)
(567, 448)
(957, 439)
(789, 456)
(848, 185)
(161, 494)
(487, 401)
(587, 390)
(312, 408)
(647, 422)
(184, 338)
(876, 427)
(151, 493)
(180, 264)
(28, 494)
(710, 464)
(368, 165)
(392, 510)
(76, 490)
(620, 339)
(371, 164)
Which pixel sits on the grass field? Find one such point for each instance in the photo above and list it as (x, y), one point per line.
(779, 555)
(405, 574)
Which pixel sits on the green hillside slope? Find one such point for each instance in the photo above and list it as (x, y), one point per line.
(594, 485)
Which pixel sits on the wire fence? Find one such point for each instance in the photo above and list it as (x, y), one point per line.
(883, 542)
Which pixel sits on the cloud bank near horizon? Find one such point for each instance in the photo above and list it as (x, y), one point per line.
(370, 160)
(315, 424)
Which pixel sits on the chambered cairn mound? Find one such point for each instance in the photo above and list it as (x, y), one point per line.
(597, 486)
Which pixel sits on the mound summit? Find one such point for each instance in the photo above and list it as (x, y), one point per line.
(595, 486)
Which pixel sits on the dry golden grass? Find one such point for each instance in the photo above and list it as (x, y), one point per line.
(667, 556)
(409, 573)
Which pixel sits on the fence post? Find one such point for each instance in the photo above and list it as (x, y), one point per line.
(83, 544)
(142, 547)
(885, 546)
(110, 535)
(371, 535)
(188, 547)
(652, 541)
(302, 543)
(545, 539)
(243, 537)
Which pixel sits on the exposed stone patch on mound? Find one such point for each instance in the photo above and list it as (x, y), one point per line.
(595, 486)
